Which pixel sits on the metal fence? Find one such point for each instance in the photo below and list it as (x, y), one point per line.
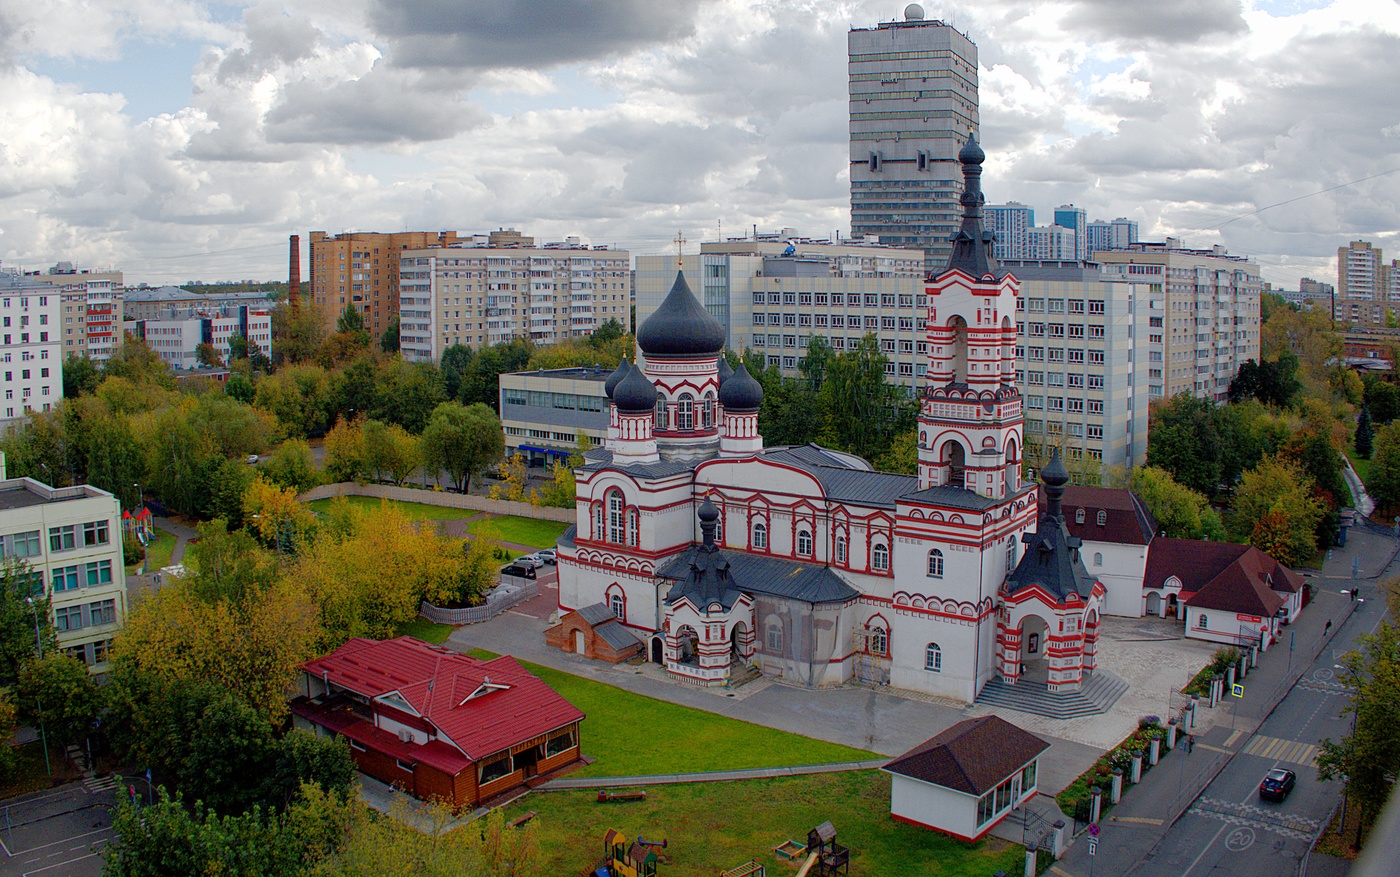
(501, 599)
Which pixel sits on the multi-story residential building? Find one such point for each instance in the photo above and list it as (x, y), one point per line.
(1310, 295)
(1053, 243)
(1116, 235)
(1012, 223)
(92, 308)
(166, 302)
(544, 412)
(176, 339)
(913, 102)
(71, 540)
(772, 296)
(1082, 346)
(362, 269)
(31, 357)
(1362, 284)
(1071, 217)
(481, 292)
(1209, 319)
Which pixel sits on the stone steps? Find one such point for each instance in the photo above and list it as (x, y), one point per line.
(1097, 696)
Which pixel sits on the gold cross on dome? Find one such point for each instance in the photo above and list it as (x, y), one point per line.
(680, 243)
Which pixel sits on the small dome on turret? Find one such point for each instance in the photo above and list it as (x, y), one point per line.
(635, 394)
(742, 392)
(971, 153)
(681, 327)
(726, 371)
(708, 514)
(1054, 474)
(616, 377)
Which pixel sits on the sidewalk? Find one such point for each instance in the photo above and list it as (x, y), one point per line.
(713, 776)
(1147, 811)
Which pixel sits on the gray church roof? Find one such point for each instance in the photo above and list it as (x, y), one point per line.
(953, 497)
(1051, 559)
(772, 576)
(603, 459)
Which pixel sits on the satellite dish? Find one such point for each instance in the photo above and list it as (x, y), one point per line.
(913, 12)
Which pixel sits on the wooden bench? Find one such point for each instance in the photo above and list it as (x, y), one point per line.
(523, 819)
(748, 869)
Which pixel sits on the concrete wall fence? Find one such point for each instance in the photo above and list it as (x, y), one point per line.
(499, 601)
(465, 502)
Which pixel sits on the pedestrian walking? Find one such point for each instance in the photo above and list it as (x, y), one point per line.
(1190, 742)
(1327, 628)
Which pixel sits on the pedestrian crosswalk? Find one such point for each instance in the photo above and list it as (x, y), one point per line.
(1291, 751)
(100, 784)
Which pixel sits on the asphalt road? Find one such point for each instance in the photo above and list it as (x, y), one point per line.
(56, 833)
(1228, 830)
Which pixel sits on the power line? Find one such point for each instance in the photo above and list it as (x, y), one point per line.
(1299, 198)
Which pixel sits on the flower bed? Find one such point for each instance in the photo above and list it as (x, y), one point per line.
(1219, 663)
(1100, 775)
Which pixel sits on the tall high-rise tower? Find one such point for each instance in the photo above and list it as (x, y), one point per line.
(913, 90)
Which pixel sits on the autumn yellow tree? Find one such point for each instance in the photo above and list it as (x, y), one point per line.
(514, 473)
(274, 514)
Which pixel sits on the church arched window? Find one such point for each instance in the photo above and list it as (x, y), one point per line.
(840, 549)
(634, 524)
(1079, 516)
(619, 606)
(879, 642)
(709, 410)
(661, 414)
(685, 412)
(1098, 558)
(804, 543)
(933, 658)
(880, 557)
(760, 535)
(598, 530)
(935, 564)
(617, 523)
(1103, 517)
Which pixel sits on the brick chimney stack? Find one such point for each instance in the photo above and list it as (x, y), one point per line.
(294, 274)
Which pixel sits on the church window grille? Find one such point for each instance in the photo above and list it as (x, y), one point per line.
(709, 411)
(760, 535)
(935, 564)
(633, 527)
(1098, 558)
(685, 413)
(1011, 555)
(598, 522)
(774, 637)
(660, 413)
(840, 549)
(1079, 516)
(880, 558)
(617, 526)
(933, 658)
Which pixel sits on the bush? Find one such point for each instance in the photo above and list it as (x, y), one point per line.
(1221, 661)
(1100, 775)
(132, 553)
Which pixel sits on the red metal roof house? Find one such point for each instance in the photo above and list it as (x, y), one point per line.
(437, 723)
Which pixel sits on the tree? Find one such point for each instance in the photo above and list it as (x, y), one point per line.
(299, 397)
(227, 487)
(407, 393)
(481, 380)
(80, 377)
(1368, 758)
(1384, 483)
(345, 452)
(235, 429)
(57, 693)
(1271, 382)
(350, 320)
(903, 455)
(1183, 439)
(297, 334)
(293, 466)
(9, 719)
(1275, 510)
(389, 451)
(456, 362)
(207, 356)
(1180, 512)
(860, 412)
(389, 341)
(376, 846)
(137, 362)
(239, 387)
(610, 330)
(275, 516)
(1365, 435)
(1382, 400)
(24, 617)
(515, 474)
(462, 440)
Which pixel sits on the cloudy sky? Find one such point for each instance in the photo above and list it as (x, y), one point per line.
(177, 139)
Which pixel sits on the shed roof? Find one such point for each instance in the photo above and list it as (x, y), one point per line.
(974, 756)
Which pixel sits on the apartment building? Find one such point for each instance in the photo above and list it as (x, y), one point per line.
(70, 538)
(1209, 324)
(176, 338)
(166, 302)
(1363, 284)
(489, 289)
(544, 412)
(1012, 223)
(913, 103)
(92, 308)
(361, 269)
(31, 356)
(1073, 218)
(1051, 243)
(1118, 234)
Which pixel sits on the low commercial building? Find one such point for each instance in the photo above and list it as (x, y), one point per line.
(176, 339)
(967, 779)
(436, 723)
(544, 412)
(70, 541)
(1224, 593)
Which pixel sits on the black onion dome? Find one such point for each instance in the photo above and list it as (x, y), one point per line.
(681, 327)
(708, 513)
(971, 153)
(1054, 474)
(616, 377)
(741, 392)
(635, 394)
(726, 371)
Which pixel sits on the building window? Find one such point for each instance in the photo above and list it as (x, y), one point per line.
(709, 410)
(685, 413)
(98, 573)
(1203, 625)
(879, 642)
(760, 535)
(1103, 517)
(1079, 516)
(804, 543)
(495, 770)
(619, 606)
(71, 617)
(65, 578)
(63, 538)
(773, 636)
(559, 745)
(880, 558)
(660, 413)
(598, 523)
(840, 549)
(617, 523)
(22, 545)
(633, 526)
(935, 564)
(1011, 554)
(933, 658)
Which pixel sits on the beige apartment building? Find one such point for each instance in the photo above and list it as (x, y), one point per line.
(1209, 324)
(1366, 286)
(488, 289)
(362, 269)
(92, 309)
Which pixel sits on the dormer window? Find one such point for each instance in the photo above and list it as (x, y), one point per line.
(485, 688)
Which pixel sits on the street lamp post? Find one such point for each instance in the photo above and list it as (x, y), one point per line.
(39, 644)
(145, 553)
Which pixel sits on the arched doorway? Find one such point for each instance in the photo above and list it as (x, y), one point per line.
(1154, 604)
(687, 645)
(736, 644)
(1034, 644)
(954, 457)
(579, 647)
(658, 651)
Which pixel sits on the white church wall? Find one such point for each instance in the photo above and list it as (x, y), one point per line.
(1120, 568)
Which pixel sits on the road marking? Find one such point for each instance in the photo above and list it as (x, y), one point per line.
(1204, 850)
(1059, 872)
(1291, 751)
(60, 864)
(1286, 824)
(1210, 747)
(64, 841)
(1141, 820)
(1240, 840)
(1234, 735)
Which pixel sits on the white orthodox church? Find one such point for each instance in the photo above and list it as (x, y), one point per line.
(722, 555)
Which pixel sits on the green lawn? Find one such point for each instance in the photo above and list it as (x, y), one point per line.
(427, 631)
(710, 827)
(159, 551)
(521, 531)
(414, 511)
(633, 735)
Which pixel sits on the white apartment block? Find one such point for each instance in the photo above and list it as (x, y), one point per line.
(1051, 242)
(1363, 284)
(1116, 235)
(176, 339)
(92, 309)
(478, 294)
(71, 540)
(1012, 223)
(31, 356)
(1209, 324)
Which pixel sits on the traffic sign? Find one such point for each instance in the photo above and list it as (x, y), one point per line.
(1093, 845)
(1237, 690)
(1094, 830)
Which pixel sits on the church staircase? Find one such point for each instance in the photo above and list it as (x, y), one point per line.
(1097, 696)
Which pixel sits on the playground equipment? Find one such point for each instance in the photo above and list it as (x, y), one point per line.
(790, 849)
(656, 846)
(606, 797)
(748, 869)
(621, 860)
(830, 857)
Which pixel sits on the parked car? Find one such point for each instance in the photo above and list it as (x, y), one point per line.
(252, 459)
(531, 560)
(548, 555)
(1277, 784)
(515, 569)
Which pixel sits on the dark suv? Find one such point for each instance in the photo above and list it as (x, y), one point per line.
(1277, 784)
(515, 569)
